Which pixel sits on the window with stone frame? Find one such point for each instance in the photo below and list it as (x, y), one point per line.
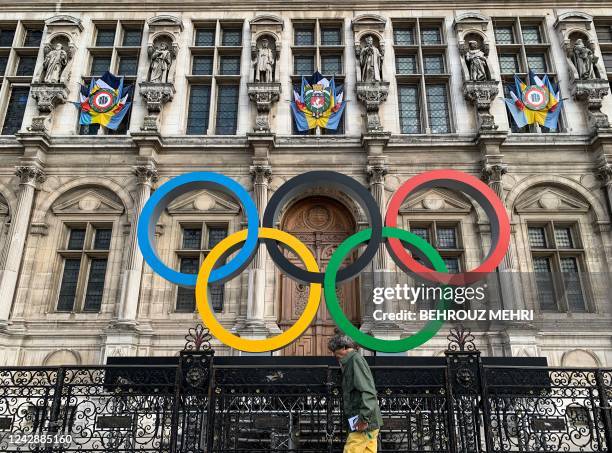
(557, 258)
(197, 239)
(423, 76)
(214, 78)
(19, 47)
(522, 44)
(603, 28)
(116, 48)
(445, 237)
(84, 253)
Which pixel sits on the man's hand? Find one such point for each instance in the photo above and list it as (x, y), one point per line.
(362, 426)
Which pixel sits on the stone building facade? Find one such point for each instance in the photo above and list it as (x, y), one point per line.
(73, 285)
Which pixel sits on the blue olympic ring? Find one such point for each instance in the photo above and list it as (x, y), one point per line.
(176, 187)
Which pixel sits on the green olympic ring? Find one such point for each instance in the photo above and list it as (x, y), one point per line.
(363, 339)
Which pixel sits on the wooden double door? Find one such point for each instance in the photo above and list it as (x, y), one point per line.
(321, 223)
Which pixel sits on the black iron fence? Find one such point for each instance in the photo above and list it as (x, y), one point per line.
(222, 406)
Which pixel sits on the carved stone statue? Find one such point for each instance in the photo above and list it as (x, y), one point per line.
(477, 64)
(370, 60)
(584, 60)
(161, 60)
(55, 62)
(264, 62)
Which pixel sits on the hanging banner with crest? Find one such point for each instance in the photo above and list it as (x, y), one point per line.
(319, 104)
(106, 101)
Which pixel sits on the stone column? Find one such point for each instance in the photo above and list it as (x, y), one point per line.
(255, 324)
(30, 176)
(146, 175)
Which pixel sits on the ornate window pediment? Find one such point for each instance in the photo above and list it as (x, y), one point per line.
(203, 201)
(551, 200)
(436, 200)
(88, 201)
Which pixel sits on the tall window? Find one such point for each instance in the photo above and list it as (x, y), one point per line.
(522, 45)
(215, 78)
(84, 262)
(116, 48)
(422, 77)
(445, 237)
(197, 241)
(557, 258)
(318, 45)
(19, 44)
(604, 36)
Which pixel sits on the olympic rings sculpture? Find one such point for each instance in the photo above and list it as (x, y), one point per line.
(246, 243)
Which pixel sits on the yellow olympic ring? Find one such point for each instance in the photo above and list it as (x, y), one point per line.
(268, 344)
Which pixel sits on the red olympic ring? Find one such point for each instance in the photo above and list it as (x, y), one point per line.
(488, 200)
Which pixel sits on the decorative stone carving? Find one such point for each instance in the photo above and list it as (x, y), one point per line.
(370, 61)
(31, 175)
(162, 57)
(265, 60)
(479, 86)
(586, 70)
(49, 95)
(264, 95)
(372, 95)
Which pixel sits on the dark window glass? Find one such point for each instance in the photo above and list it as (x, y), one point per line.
(304, 36)
(331, 64)
(33, 37)
(544, 283)
(531, 34)
(330, 36)
(185, 300)
(452, 264)
(105, 37)
(573, 287)
(437, 103)
(95, 284)
(303, 64)
(26, 65)
(504, 35)
(76, 240)
(132, 37)
(607, 58)
(563, 238)
(410, 111)
(128, 66)
(229, 65)
(509, 63)
(6, 37)
(227, 110)
(99, 65)
(205, 37)
(604, 33)
(89, 129)
(202, 65)
(3, 63)
(406, 64)
(216, 235)
(232, 37)
(15, 110)
(434, 64)
(421, 232)
(103, 238)
(199, 106)
(537, 237)
(431, 36)
(192, 238)
(403, 36)
(68, 287)
(216, 293)
(537, 63)
(447, 237)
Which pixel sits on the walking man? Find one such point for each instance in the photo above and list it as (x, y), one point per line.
(359, 393)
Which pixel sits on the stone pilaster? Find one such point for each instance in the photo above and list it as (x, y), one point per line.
(30, 177)
(146, 176)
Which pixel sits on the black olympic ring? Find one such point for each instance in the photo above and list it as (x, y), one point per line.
(329, 179)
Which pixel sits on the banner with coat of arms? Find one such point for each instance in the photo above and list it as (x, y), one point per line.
(106, 101)
(318, 104)
(539, 102)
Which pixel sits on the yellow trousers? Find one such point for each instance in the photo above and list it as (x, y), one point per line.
(360, 442)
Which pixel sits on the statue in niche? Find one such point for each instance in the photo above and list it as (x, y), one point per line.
(370, 60)
(584, 60)
(264, 62)
(477, 64)
(161, 60)
(56, 60)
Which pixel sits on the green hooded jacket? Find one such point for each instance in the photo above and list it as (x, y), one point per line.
(359, 391)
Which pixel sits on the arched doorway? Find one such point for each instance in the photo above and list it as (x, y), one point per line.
(321, 223)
